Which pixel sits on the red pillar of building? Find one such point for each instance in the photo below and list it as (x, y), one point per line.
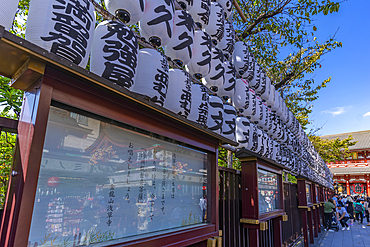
(348, 189)
(368, 187)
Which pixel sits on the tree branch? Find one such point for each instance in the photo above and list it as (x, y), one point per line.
(263, 17)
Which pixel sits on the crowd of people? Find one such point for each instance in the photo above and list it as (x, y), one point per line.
(347, 210)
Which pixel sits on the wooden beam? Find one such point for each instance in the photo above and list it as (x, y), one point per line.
(8, 125)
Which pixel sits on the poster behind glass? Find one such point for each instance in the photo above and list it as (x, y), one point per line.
(308, 193)
(317, 194)
(268, 189)
(100, 182)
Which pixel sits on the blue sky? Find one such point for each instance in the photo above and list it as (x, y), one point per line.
(344, 105)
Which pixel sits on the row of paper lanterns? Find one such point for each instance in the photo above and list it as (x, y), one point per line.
(66, 28)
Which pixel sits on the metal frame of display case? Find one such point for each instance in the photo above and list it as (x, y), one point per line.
(251, 217)
(47, 78)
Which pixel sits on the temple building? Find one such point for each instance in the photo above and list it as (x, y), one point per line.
(352, 176)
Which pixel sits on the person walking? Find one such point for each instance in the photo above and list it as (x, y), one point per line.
(359, 211)
(366, 206)
(342, 216)
(350, 210)
(329, 206)
(335, 198)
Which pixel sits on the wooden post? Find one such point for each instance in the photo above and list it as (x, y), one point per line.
(315, 222)
(253, 237)
(277, 231)
(310, 226)
(305, 230)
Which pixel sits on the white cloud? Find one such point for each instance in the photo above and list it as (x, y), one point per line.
(335, 111)
(367, 114)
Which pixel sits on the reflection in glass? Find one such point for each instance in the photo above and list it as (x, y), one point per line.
(268, 191)
(308, 193)
(100, 182)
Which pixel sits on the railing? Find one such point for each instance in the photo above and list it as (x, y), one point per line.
(230, 207)
(291, 229)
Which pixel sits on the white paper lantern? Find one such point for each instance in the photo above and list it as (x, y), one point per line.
(128, 11)
(200, 11)
(256, 81)
(262, 122)
(65, 28)
(200, 63)
(179, 95)
(241, 96)
(180, 47)
(216, 25)
(114, 53)
(227, 43)
(274, 126)
(216, 77)
(186, 4)
(265, 94)
(227, 90)
(152, 75)
(265, 118)
(262, 87)
(253, 138)
(8, 9)
(228, 128)
(240, 57)
(215, 114)
(276, 152)
(279, 111)
(257, 117)
(199, 104)
(271, 100)
(261, 147)
(227, 7)
(276, 104)
(156, 25)
(242, 131)
(250, 104)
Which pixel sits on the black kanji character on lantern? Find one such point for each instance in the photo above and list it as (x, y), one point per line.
(79, 11)
(187, 21)
(188, 41)
(122, 75)
(123, 34)
(230, 123)
(220, 68)
(245, 134)
(204, 16)
(185, 102)
(166, 17)
(218, 121)
(160, 85)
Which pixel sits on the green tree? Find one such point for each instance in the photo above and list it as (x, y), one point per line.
(274, 27)
(332, 150)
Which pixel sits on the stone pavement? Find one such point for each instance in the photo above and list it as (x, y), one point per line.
(355, 237)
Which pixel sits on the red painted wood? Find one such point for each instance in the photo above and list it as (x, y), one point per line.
(305, 229)
(31, 132)
(20, 200)
(253, 237)
(249, 190)
(302, 199)
(277, 231)
(310, 226)
(315, 222)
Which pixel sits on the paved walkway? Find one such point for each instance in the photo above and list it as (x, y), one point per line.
(355, 237)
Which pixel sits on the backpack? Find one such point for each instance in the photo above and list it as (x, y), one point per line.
(358, 207)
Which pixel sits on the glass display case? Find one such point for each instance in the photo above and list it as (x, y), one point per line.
(102, 180)
(268, 191)
(308, 193)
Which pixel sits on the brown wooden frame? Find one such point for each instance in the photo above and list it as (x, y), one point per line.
(56, 86)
